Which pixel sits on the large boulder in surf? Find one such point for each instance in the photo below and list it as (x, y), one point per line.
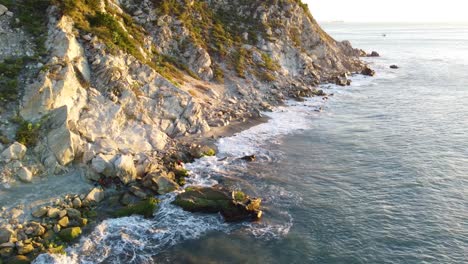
(368, 71)
(374, 54)
(233, 206)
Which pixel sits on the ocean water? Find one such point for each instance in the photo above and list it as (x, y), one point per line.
(380, 175)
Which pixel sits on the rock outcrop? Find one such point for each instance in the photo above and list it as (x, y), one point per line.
(233, 206)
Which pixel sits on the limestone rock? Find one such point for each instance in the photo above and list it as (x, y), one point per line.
(125, 169)
(40, 212)
(53, 212)
(3, 10)
(61, 140)
(62, 213)
(15, 151)
(166, 185)
(63, 222)
(77, 202)
(24, 174)
(103, 164)
(96, 195)
(35, 229)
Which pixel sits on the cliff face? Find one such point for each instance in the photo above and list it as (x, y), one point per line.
(121, 79)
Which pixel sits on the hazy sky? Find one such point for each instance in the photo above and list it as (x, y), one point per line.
(390, 10)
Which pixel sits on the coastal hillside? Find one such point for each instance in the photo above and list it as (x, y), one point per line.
(107, 88)
(98, 77)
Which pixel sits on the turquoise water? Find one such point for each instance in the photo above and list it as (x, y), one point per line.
(379, 176)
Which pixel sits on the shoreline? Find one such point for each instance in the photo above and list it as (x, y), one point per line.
(103, 201)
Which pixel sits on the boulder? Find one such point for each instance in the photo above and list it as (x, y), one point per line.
(3, 10)
(63, 222)
(233, 206)
(125, 169)
(368, 71)
(5, 234)
(40, 212)
(24, 249)
(103, 164)
(62, 213)
(77, 202)
(24, 174)
(166, 185)
(341, 81)
(73, 213)
(35, 229)
(138, 192)
(53, 212)
(319, 92)
(374, 54)
(69, 234)
(96, 195)
(15, 151)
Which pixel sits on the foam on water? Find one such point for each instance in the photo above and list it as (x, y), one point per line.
(137, 240)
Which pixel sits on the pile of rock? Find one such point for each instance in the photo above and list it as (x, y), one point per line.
(51, 227)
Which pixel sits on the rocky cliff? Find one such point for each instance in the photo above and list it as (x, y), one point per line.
(112, 84)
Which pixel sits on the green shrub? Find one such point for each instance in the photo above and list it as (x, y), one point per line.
(28, 133)
(218, 73)
(240, 61)
(10, 70)
(269, 63)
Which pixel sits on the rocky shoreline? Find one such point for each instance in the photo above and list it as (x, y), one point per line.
(51, 228)
(106, 100)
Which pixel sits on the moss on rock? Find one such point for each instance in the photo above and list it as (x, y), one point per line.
(69, 234)
(144, 208)
(235, 206)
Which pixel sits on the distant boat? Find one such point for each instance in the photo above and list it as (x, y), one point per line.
(384, 35)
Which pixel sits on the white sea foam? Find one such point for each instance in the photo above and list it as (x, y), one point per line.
(136, 240)
(293, 117)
